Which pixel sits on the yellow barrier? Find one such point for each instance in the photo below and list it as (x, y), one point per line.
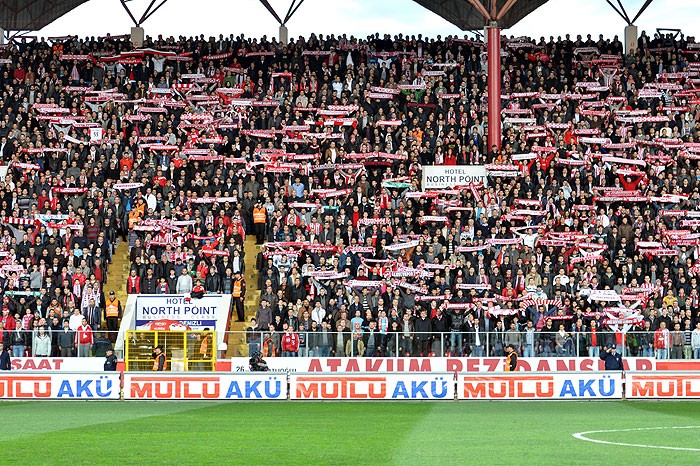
(184, 350)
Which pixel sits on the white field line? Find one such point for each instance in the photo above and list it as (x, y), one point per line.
(583, 436)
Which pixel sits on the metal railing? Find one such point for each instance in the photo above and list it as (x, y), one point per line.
(527, 343)
(45, 342)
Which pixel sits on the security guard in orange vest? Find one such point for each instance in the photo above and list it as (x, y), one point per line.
(112, 314)
(238, 294)
(511, 359)
(259, 221)
(159, 364)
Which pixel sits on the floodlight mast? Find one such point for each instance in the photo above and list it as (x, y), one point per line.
(283, 32)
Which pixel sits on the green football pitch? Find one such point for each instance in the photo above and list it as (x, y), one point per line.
(334, 433)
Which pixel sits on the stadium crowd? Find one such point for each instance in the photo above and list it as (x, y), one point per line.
(584, 232)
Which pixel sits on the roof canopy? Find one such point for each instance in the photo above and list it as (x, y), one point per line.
(32, 15)
(475, 14)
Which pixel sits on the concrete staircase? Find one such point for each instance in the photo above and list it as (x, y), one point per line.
(236, 341)
(118, 272)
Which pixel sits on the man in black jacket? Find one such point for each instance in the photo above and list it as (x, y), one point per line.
(149, 283)
(110, 361)
(476, 340)
(5, 361)
(439, 327)
(423, 330)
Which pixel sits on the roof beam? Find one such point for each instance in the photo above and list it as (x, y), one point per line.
(128, 11)
(622, 7)
(272, 11)
(505, 9)
(641, 10)
(618, 11)
(292, 10)
(480, 7)
(149, 12)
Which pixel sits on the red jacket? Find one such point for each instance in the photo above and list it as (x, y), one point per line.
(8, 321)
(662, 339)
(290, 342)
(133, 285)
(83, 335)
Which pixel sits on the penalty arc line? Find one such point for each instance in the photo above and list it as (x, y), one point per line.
(582, 436)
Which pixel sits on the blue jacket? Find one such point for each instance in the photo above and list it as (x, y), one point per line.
(5, 362)
(613, 361)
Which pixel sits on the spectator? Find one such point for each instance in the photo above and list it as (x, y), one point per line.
(66, 340)
(184, 282)
(42, 343)
(662, 341)
(19, 339)
(290, 342)
(84, 339)
(696, 341)
(253, 337)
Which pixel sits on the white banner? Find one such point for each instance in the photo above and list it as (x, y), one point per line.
(555, 386)
(603, 295)
(59, 386)
(205, 386)
(211, 311)
(450, 176)
(406, 386)
(331, 365)
(673, 385)
(59, 364)
(195, 313)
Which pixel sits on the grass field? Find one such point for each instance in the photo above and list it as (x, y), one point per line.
(401, 433)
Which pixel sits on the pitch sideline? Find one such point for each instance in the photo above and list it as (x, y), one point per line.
(582, 436)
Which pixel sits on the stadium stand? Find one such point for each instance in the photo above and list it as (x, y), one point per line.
(191, 151)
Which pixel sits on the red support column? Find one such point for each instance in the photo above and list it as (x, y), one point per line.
(494, 85)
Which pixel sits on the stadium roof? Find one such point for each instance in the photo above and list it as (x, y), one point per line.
(32, 15)
(472, 14)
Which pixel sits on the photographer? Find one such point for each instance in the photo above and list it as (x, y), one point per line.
(613, 360)
(257, 363)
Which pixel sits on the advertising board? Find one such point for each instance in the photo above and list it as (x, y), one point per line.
(59, 386)
(450, 176)
(205, 386)
(59, 364)
(210, 311)
(673, 385)
(240, 364)
(397, 386)
(554, 386)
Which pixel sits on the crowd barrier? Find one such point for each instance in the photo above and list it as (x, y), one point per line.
(240, 344)
(445, 386)
(532, 343)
